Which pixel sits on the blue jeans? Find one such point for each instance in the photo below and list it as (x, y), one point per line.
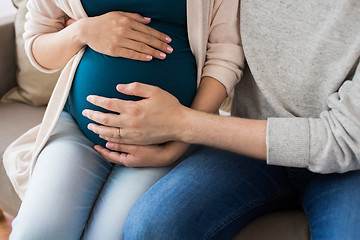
(75, 193)
(213, 193)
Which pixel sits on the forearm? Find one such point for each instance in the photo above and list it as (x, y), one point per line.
(243, 136)
(211, 93)
(54, 50)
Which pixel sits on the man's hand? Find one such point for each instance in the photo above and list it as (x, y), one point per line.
(154, 119)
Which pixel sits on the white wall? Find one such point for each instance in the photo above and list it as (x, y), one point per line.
(6, 8)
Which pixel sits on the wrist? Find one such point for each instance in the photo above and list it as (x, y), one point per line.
(186, 128)
(80, 29)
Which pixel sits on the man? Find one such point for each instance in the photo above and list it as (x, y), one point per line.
(297, 107)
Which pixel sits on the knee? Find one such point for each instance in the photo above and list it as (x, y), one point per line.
(152, 222)
(31, 229)
(43, 226)
(142, 225)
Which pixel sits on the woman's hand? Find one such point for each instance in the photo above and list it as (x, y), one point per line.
(142, 156)
(155, 119)
(121, 34)
(115, 34)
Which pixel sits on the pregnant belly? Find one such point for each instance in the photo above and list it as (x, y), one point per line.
(98, 74)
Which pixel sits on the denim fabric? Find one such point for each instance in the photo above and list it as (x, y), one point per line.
(213, 193)
(75, 193)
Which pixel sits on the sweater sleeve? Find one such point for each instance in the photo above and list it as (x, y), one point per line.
(330, 143)
(224, 56)
(43, 16)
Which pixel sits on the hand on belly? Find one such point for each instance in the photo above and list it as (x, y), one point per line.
(124, 35)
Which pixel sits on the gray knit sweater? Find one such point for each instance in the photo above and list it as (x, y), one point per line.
(303, 75)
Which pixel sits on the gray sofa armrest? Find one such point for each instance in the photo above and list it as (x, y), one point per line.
(7, 54)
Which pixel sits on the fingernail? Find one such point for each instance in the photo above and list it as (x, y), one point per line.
(89, 126)
(163, 55)
(109, 145)
(148, 57)
(121, 87)
(147, 18)
(90, 98)
(84, 113)
(168, 39)
(97, 147)
(170, 49)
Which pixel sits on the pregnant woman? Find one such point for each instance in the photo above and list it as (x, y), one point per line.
(189, 48)
(99, 74)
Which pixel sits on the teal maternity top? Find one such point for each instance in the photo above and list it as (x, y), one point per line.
(98, 74)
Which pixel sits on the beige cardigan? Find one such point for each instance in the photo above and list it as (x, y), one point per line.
(213, 28)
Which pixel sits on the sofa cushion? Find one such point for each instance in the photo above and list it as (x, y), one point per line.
(34, 87)
(7, 54)
(16, 118)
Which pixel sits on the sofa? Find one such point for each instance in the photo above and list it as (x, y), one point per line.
(17, 117)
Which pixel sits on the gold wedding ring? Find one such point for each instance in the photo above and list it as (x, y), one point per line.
(118, 132)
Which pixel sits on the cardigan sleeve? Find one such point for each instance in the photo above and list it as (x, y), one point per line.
(224, 56)
(43, 16)
(327, 144)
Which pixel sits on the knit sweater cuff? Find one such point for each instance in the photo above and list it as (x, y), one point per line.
(287, 141)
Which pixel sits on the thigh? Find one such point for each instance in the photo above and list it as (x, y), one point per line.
(209, 195)
(331, 203)
(122, 189)
(64, 185)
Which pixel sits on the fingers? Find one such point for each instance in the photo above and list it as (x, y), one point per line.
(136, 17)
(153, 37)
(145, 35)
(138, 89)
(111, 156)
(102, 131)
(151, 45)
(131, 54)
(111, 104)
(138, 25)
(144, 39)
(115, 146)
(125, 35)
(122, 158)
(107, 133)
(121, 147)
(136, 47)
(107, 119)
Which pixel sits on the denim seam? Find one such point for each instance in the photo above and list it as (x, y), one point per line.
(237, 214)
